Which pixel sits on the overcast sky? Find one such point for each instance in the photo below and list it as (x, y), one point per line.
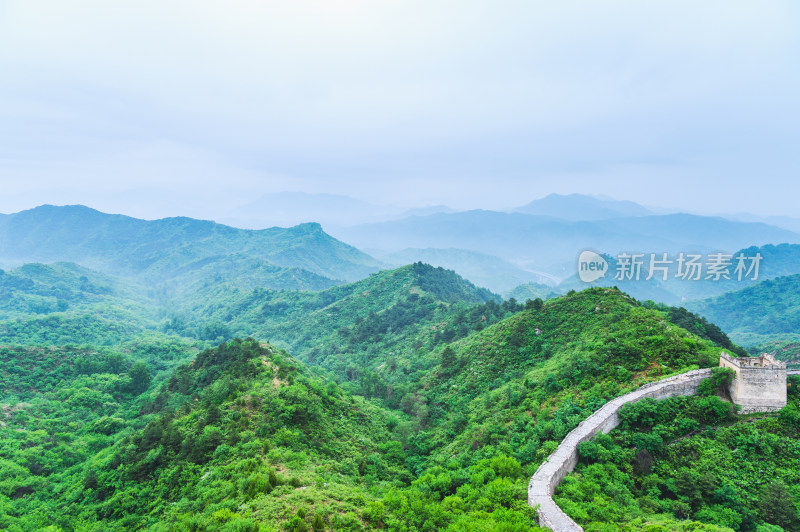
(157, 108)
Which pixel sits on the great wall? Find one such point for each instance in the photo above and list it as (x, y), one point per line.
(759, 385)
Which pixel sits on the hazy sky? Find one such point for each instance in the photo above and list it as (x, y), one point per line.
(156, 108)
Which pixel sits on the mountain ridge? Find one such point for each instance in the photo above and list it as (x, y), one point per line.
(123, 245)
(552, 245)
(581, 207)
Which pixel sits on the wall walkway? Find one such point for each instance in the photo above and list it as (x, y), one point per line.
(564, 459)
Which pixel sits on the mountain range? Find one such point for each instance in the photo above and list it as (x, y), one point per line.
(365, 397)
(497, 250)
(550, 245)
(161, 249)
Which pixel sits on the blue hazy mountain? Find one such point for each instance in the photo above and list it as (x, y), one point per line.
(549, 244)
(292, 208)
(159, 249)
(786, 222)
(577, 207)
(426, 211)
(330, 210)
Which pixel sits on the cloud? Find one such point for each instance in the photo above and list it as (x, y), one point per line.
(360, 97)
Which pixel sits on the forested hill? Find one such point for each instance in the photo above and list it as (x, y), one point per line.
(247, 309)
(63, 303)
(392, 319)
(767, 311)
(160, 249)
(245, 437)
(590, 344)
(40, 288)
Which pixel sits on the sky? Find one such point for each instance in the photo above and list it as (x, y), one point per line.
(172, 107)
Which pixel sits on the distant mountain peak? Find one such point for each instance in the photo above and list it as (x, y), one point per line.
(291, 208)
(440, 283)
(126, 246)
(74, 208)
(582, 207)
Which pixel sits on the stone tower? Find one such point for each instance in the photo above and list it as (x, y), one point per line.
(759, 384)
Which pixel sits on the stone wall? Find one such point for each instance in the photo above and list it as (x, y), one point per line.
(760, 383)
(543, 483)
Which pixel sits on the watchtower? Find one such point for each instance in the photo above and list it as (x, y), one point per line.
(759, 384)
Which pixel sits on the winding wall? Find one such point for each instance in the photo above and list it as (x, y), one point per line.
(550, 474)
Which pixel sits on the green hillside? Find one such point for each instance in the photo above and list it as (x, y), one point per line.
(531, 378)
(43, 289)
(769, 310)
(239, 272)
(373, 334)
(242, 424)
(243, 438)
(416, 400)
(63, 303)
(527, 291)
(511, 394)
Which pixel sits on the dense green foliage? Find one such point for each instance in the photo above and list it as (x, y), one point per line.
(376, 336)
(65, 304)
(41, 289)
(243, 438)
(60, 407)
(698, 325)
(417, 401)
(767, 311)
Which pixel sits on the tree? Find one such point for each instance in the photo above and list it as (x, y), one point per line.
(777, 506)
(718, 383)
(140, 377)
(296, 524)
(448, 359)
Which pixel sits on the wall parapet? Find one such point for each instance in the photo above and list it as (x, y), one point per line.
(558, 465)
